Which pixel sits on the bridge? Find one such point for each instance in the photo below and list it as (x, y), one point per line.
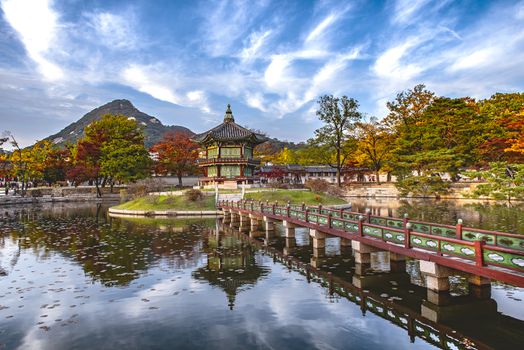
(443, 250)
(446, 325)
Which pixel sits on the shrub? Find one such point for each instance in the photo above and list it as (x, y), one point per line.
(317, 185)
(143, 187)
(194, 195)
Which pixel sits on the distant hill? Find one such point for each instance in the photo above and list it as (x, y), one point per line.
(154, 129)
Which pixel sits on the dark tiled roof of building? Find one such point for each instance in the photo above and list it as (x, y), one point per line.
(229, 131)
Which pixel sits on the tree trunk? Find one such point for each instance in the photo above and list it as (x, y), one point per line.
(179, 180)
(98, 192)
(378, 178)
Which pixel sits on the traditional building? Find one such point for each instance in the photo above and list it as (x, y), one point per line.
(227, 154)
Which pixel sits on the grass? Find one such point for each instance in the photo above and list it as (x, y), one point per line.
(168, 203)
(295, 197)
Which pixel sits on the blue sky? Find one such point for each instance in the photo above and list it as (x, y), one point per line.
(183, 61)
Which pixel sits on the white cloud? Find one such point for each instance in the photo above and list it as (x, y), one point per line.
(113, 30)
(36, 24)
(406, 10)
(321, 27)
(256, 41)
(389, 63)
(138, 78)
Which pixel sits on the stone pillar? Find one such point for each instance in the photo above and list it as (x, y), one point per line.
(397, 262)
(269, 224)
(289, 229)
(235, 218)
(245, 222)
(227, 215)
(344, 242)
(319, 239)
(291, 243)
(479, 287)
(318, 257)
(437, 276)
(362, 252)
(255, 222)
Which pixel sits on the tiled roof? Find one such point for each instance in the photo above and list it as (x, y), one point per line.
(229, 131)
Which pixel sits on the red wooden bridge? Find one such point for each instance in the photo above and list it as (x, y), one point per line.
(490, 254)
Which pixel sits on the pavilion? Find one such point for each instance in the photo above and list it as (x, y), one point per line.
(226, 155)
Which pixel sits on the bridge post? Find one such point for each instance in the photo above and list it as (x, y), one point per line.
(255, 222)
(289, 229)
(291, 243)
(319, 239)
(245, 222)
(235, 218)
(362, 252)
(437, 276)
(269, 223)
(397, 262)
(227, 215)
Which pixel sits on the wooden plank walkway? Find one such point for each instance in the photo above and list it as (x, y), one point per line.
(491, 254)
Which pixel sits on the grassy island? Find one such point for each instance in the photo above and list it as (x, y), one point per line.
(181, 202)
(167, 202)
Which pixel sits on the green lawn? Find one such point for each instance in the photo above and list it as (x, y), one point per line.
(168, 203)
(295, 197)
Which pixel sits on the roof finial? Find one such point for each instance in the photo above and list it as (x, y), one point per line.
(228, 117)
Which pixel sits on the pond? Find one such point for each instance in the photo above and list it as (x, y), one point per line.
(72, 277)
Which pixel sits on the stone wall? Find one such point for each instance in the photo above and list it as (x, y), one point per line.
(388, 190)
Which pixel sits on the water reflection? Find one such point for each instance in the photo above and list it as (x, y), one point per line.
(75, 278)
(499, 216)
(231, 265)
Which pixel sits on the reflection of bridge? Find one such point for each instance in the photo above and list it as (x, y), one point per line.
(443, 250)
(432, 320)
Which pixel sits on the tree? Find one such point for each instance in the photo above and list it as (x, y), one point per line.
(504, 181)
(336, 137)
(285, 156)
(374, 145)
(408, 106)
(504, 115)
(444, 138)
(111, 150)
(176, 154)
(422, 186)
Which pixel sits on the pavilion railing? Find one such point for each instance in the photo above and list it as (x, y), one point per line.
(485, 248)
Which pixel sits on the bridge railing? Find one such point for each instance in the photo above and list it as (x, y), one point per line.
(485, 248)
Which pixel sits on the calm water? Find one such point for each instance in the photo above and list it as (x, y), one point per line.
(73, 278)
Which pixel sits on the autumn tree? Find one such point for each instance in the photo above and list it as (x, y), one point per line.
(111, 150)
(374, 145)
(504, 139)
(176, 154)
(336, 139)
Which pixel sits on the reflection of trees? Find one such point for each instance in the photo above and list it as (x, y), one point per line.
(116, 252)
(489, 216)
(231, 265)
(499, 216)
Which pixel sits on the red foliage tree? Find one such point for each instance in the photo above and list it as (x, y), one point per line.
(176, 155)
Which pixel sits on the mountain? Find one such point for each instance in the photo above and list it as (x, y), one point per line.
(154, 129)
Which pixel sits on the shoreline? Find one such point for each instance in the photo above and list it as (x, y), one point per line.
(154, 213)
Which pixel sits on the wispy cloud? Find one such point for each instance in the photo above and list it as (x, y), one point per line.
(270, 60)
(36, 23)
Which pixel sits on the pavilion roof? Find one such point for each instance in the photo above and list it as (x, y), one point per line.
(229, 131)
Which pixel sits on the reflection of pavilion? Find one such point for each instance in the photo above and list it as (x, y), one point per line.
(231, 265)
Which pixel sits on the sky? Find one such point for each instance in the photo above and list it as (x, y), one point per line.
(184, 61)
